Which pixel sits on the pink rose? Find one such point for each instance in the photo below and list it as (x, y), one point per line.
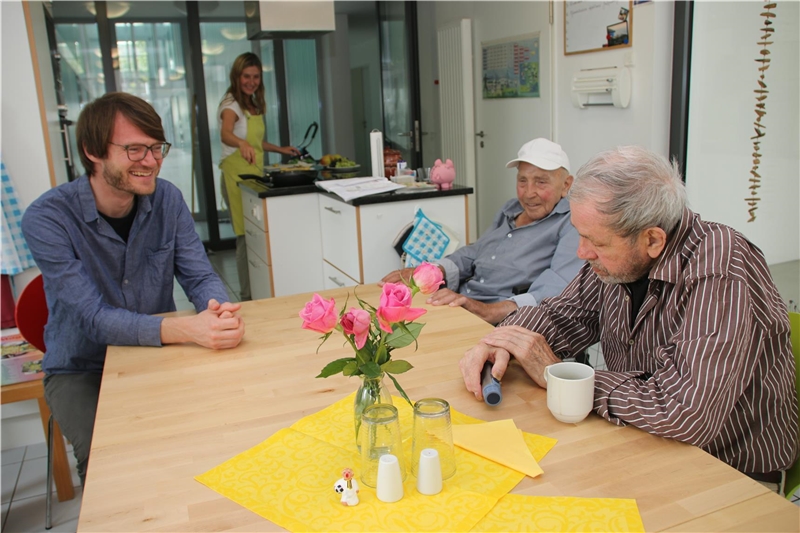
(428, 278)
(396, 306)
(319, 314)
(357, 322)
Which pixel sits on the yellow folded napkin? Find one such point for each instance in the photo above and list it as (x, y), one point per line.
(499, 441)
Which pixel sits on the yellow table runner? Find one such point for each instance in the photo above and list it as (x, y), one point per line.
(288, 479)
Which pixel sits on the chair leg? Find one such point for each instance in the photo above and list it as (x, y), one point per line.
(49, 495)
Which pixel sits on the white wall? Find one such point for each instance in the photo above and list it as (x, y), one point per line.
(23, 149)
(721, 116)
(584, 132)
(506, 123)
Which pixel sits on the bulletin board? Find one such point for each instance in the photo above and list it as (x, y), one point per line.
(593, 26)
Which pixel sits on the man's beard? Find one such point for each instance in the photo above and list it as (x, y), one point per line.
(634, 270)
(116, 178)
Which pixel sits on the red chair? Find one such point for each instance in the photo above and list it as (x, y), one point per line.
(31, 317)
(31, 313)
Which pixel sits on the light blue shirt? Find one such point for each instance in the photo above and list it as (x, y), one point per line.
(101, 290)
(540, 256)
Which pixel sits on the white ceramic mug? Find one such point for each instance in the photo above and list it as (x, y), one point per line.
(570, 391)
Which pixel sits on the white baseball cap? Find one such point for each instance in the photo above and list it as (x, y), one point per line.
(542, 153)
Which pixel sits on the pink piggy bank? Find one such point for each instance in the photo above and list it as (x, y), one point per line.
(443, 175)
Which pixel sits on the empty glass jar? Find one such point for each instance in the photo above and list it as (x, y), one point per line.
(379, 435)
(433, 429)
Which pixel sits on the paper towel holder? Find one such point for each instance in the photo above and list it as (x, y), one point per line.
(609, 86)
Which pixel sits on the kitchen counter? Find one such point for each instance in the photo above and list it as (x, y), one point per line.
(303, 239)
(263, 191)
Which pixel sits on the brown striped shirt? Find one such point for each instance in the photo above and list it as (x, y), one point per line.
(708, 360)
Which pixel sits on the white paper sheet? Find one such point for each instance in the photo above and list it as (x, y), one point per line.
(350, 188)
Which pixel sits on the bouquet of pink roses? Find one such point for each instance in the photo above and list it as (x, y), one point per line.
(374, 333)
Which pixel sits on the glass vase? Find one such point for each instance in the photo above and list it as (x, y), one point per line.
(371, 391)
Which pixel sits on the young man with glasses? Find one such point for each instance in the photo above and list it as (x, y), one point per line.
(109, 245)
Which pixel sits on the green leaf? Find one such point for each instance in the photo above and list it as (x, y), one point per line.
(351, 368)
(363, 356)
(396, 367)
(371, 370)
(334, 367)
(400, 390)
(404, 335)
(381, 355)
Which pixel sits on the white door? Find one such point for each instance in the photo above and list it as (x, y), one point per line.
(507, 123)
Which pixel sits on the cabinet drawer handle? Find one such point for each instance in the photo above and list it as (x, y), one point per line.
(249, 233)
(336, 281)
(254, 265)
(332, 210)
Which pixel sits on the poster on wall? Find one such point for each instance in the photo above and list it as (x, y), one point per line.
(511, 67)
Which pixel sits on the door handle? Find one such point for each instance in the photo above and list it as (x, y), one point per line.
(480, 134)
(332, 210)
(406, 134)
(336, 281)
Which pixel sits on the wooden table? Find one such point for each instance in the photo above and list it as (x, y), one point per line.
(34, 390)
(168, 414)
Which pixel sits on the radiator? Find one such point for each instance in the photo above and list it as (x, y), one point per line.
(456, 100)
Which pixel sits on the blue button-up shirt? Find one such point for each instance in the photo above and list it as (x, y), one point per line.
(101, 290)
(541, 256)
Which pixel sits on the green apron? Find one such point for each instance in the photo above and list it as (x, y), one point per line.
(235, 164)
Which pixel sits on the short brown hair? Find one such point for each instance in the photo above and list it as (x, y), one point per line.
(96, 124)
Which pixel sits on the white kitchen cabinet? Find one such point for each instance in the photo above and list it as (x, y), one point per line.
(357, 240)
(260, 280)
(340, 235)
(284, 244)
(335, 278)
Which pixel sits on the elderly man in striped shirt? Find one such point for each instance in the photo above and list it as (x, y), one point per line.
(693, 331)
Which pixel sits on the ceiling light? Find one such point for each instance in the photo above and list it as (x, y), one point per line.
(233, 34)
(114, 10)
(213, 49)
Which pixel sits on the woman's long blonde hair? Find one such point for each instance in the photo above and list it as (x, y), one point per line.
(248, 59)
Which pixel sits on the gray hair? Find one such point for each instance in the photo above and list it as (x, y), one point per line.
(636, 188)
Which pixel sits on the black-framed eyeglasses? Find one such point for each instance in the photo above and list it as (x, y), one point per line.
(137, 152)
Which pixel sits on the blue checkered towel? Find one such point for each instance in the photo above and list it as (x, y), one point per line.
(427, 241)
(16, 256)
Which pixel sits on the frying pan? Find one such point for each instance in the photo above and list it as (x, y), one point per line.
(293, 178)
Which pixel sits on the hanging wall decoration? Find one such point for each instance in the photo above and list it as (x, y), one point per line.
(511, 67)
(767, 33)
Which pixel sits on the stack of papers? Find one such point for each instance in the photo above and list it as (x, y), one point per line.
(351, 188)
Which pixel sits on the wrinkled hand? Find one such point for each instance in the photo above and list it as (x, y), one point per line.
(490, 312)
(471, 366)
(248, 152)
(397, 276)
(529, 348)
(448, 297)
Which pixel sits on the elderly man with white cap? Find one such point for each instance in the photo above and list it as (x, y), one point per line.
(529, 251)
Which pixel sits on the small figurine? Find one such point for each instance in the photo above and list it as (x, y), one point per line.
(443, 174)
(348, 488)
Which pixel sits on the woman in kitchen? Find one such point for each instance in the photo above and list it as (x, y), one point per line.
(241, 124)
